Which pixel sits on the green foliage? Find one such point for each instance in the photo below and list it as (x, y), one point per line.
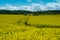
(36, 13)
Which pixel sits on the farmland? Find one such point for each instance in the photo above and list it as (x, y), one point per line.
(25, 27)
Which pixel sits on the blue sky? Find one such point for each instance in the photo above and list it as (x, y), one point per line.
(30, 5)
(24, 2)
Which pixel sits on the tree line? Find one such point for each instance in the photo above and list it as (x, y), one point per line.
(29, 12)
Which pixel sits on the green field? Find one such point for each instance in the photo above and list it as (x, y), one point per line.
(13, 27)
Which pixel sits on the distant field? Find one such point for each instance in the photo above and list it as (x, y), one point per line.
(7, 18)
(45, 20)
(13, 27)
(42, 20)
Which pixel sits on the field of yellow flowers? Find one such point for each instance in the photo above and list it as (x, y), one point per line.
(13, 27)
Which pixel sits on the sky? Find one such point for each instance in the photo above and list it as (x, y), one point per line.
(30, 5)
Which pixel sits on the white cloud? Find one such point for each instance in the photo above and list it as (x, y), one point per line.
(25, 8)
(52, 6)
(9, 7)
(33, 7)
(29, 0)
(38, 7)
(58, 1)
(48, 6)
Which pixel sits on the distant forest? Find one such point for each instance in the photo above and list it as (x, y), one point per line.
(29, 12)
